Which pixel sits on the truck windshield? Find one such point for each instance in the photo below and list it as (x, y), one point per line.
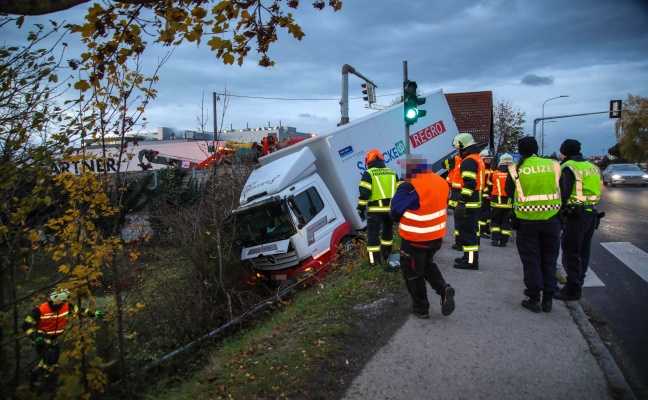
(263, 223)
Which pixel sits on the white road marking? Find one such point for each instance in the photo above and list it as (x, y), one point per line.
(591, 280)
(632, 256)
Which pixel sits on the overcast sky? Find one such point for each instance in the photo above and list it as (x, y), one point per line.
(524, 51)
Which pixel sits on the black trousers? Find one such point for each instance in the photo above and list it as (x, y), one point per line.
(538, 243)
(417, 264)
(501, 224)
(576, 243)
(380, 236)
(485, 217)
(468, 234)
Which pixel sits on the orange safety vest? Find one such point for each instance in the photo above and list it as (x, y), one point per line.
(52, 322)
(481, 170)
(499, 183)
(454, 176)
(429, 221)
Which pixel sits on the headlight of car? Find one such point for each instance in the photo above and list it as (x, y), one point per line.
(645, 177)
(616, 176)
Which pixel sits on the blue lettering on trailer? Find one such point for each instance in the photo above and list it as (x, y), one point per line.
(346, 151)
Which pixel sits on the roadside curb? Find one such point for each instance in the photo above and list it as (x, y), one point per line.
(616, 381)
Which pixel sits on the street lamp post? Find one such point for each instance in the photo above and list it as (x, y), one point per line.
(542, 141)
(543, 104)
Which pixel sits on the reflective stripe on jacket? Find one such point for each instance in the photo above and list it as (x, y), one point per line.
(383, 186)
(474, 195)
(499, 198)
(537, 188)
(587, 184)
(429, 221)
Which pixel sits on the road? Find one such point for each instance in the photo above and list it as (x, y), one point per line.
(618, 282)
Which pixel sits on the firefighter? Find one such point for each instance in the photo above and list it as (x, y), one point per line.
(501, 203)
(377, 187)
(456, 183)
(45, 324)
(581, 191)
(534, 184)
(485, 212)
(469, 204)
(420, 206)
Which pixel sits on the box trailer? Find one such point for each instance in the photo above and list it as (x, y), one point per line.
(300, 204)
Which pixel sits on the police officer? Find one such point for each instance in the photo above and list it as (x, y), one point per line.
(420, 207)
(456, 183)
(501, 203)
(581, 191)
(377, 187)
(534, 185)
(469, 203)
(485, 212)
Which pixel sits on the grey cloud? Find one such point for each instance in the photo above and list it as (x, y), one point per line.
(535, 80)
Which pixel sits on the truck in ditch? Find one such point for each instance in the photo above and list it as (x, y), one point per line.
(299, 206)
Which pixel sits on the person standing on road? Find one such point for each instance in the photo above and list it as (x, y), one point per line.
(581, 191)
(420, 207)
(377, 187)
(501, 204)
(534, 184)
(456, 183)
(469, 203)
(485, 212)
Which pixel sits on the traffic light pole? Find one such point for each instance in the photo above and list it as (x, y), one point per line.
(405, 79)
(535, 121)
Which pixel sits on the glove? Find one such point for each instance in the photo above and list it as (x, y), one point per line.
(99, 314)
(460, 209)
(361, 214)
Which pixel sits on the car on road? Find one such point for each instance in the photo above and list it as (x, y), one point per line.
(624, 174)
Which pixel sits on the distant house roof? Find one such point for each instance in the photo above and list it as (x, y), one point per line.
(472, 112)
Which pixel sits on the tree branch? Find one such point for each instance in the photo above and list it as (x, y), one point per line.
(43, 7)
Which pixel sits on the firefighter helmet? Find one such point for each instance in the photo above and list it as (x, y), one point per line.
(506, 159)
(372, 155)
(485, 154)
(59, 295)
(463, 140)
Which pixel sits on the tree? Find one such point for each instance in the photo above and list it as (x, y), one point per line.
(232, 25)
(631, 130)
(507, 126)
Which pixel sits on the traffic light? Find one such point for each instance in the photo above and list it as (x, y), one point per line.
(615, 108)
(369, 92)
(411, 103)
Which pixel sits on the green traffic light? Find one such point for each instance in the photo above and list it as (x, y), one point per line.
(411, 114)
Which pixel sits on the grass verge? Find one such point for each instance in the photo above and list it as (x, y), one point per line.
(310, 347)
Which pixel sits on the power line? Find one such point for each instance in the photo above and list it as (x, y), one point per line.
(290, 99)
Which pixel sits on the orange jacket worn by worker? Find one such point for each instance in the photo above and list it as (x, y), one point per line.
(52, 323)
(429, 221)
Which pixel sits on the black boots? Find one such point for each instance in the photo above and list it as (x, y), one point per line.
(532, 303)
(547, 302)
(568, 294)
(462, 262)
(447, 300)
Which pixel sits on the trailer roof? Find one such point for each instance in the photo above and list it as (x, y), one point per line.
(472, 112)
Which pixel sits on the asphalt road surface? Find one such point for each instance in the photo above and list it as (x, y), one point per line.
(618, 282)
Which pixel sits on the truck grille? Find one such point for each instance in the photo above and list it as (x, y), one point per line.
(276, 261)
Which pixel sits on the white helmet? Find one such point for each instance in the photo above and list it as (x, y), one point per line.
(506, 159)
(485, 154)
(463, 140)
(59, 295)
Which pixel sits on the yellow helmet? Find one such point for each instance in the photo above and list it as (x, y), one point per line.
(463, 140)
